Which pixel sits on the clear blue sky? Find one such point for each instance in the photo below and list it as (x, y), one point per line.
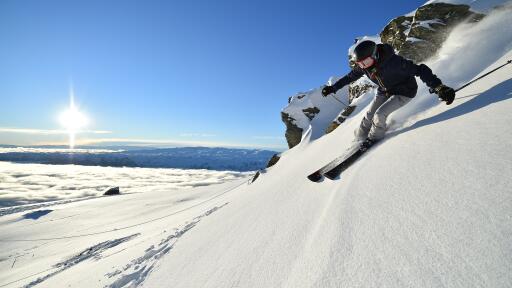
(216, 72)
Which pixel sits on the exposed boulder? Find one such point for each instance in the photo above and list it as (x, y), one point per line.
(419, 36)
(112, 191)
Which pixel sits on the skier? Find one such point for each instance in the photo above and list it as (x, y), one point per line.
(397, 86)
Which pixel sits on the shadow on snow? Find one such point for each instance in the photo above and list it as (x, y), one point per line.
(498, 93)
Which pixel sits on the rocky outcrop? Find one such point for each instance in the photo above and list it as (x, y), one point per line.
(340, 118)
(419, 36)
(256, 176)
(275, 158)
(357, 89)
(293, 133)
(311, 112)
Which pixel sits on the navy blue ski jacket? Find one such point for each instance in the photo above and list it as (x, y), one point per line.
(393, 74)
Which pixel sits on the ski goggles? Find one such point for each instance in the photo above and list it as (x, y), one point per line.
(366, 62)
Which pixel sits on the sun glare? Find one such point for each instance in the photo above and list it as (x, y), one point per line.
(73, 120)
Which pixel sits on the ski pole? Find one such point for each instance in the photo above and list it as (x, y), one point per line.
(339, 100)
(471, 82)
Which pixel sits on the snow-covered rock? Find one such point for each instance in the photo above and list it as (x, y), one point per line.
(419, 35)
(311, 109)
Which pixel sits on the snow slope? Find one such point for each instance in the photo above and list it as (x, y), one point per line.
(429, 206)
(101, 242)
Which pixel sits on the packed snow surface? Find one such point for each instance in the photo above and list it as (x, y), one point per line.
(429, 206)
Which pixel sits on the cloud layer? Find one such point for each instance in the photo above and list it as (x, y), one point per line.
(32, 183)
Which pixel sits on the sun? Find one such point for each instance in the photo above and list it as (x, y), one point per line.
(73, 120)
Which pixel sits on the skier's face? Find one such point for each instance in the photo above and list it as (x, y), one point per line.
(366, 62)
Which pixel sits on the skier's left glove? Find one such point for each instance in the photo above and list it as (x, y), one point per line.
(327, 90)
(445, 93)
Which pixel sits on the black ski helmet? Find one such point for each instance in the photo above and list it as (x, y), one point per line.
(364, 49)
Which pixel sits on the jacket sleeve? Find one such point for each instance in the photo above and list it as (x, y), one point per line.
(352, 76)
(423, 71)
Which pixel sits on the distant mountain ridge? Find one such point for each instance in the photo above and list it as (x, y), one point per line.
(183, 158)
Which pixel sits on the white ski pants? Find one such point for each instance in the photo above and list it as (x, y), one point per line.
(373, 125)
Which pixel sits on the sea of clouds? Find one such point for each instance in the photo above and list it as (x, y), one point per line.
(33, 183)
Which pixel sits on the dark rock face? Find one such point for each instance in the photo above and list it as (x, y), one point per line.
(355, 90)
(293, 133)
(112, 191)
(275, 158)
(340, 118)
(255, 176)
(311, 112)
(396, 31)
(420, 36)
(332, 126)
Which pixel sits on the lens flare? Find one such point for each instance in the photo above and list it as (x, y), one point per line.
(73, 120)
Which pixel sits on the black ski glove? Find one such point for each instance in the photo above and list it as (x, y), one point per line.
(445, 93)
(327, 90)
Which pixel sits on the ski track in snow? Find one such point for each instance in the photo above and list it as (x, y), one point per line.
(91, 252)
(135, 272)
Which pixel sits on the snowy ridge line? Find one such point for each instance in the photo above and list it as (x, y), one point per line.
(125, 227)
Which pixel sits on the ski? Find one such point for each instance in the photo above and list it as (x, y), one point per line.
(335, 172)
(318, 174)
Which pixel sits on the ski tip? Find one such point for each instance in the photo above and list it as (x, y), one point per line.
(315, 177)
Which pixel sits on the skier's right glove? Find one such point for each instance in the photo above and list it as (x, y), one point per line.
(327, 90)
(445, 93)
